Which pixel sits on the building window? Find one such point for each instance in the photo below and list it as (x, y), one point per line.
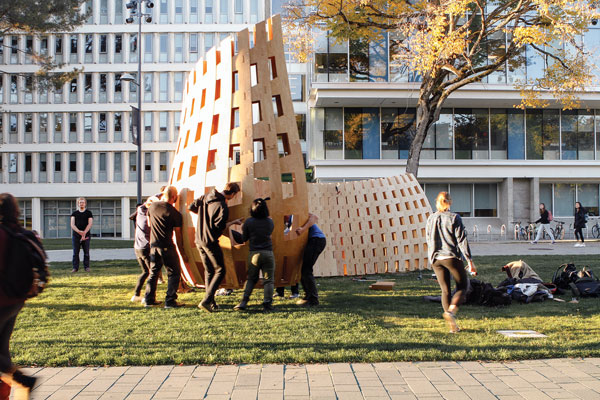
(28, 89)
(543, 134)
(560, 198)
(163, 47)
(148, 48)
(102, 172)
(58, 178)
(301, 125)
(28, 175)
(43, 128)
(163, 134)
(193, 47)
(103, 49)
(297, 87)
(73, 128)
(118, 54)
(102, 128)
(176, 118)
(107, 218)
(118, 12)
(87, 88)
(148, 86)
(471, 133)
(397, 132)
(89, 48)
(439, 141)
(57, 218)
(361, 133)
(163, 86)
(117, 168)
(224, 11)
(104, 11)
(178, 78)
(209, 41)
(132, 167)
(507, 134)
(42, 175)
(164, 12)
(74, 48)
(73, 91)
(25, 216)
(178, 47)
(179, 11)
(28, 127)
(147, 167)
(238, 9)
(133, 48)
(194, 11)
(12, 167)
(118, 123)
(331, 59)
(14, 96)
(253, 11)
(87, 128)
(577, 129)
(58, 49)
(148, 136)
(87, 167)
(58, 129)
(462, 199)
(133, 88)
(208, 11)
(102, 94)
(328, 134)
(163, 167)
(485, 200)
(118, 93)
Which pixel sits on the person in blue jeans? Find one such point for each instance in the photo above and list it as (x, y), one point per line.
(314, 247)
(81, 223)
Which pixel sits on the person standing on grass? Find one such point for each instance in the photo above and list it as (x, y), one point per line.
(164, 219)
(9, 306)
(257, 229)
(579, 223)
(81, 223)
(446, 242)
(544, 222)
(213, 214)
(141, 246)
(314, 247)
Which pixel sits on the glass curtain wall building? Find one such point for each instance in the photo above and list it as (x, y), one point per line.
(497, 161)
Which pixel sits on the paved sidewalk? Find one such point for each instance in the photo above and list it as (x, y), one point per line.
(531, 380)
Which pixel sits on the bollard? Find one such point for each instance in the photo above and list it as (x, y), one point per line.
(517, 229)
(489, 231)
(503, 231)
(475, 232)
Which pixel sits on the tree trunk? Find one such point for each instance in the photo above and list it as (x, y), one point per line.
(423, 122)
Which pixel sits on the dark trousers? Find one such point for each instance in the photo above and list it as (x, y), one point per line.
(77, 245)
(8, 316)
(214, 270)
(579, 232)
(455, 267)
(260, 260)
(314, 247)
(168, 257)
(281, 290)
(143, 258)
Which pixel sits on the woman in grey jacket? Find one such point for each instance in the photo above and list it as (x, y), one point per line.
(446, 241)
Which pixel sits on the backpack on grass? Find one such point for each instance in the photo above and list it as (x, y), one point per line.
(581, 283)
(25, 272)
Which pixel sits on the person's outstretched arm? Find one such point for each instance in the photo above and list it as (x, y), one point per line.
(312, 219)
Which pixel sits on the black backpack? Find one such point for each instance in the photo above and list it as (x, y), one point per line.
(564, 275)
(25, 257)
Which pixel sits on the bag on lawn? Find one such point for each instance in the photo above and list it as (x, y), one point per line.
(564, 275)
(25, 272)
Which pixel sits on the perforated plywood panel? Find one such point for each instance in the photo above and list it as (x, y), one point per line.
(372, 226)
(238, 125)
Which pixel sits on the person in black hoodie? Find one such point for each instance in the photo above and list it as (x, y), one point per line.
(213, 214)
(579, 223)
(544, 221)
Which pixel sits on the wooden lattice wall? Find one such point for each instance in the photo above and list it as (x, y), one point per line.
(238, 125)
(372, 226)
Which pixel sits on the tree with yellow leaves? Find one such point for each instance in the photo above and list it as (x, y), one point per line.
(451, 44)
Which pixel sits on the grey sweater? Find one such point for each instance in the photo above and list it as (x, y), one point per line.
(446, 236)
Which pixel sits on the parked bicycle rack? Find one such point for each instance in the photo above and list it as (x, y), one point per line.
(489, 232)
(503, 231)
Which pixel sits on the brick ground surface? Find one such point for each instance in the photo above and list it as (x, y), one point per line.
(530, 380)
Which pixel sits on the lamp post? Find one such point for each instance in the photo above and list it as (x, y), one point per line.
(135, 7)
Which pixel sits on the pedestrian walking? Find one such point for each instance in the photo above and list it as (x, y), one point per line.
(447, 244)
(81, 223)
(579, 223)
(213, 214)
(164, 219)
(10, 306)
(257, 230)
(544, 221)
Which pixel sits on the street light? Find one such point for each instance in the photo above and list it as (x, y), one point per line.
(135, 7)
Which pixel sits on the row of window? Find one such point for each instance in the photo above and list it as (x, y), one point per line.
(86, 127)
(178, 11)
(362, 60)
(460, 133)
(86, 167)
(468, 200)
(560, 198)
(90, 88)
(109, 48)
(56, 217)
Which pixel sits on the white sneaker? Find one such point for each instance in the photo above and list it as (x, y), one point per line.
(136, 298)
(533, 242)
(582, 245)
(294, 296)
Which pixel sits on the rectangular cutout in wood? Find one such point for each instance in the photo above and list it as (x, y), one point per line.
(198, 132)
(277, 106)
(193, 163)
(215, 125)
(259, 150)
(283, 144)
(256, 112)
(211, 160)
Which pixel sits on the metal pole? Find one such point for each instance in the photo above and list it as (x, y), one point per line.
(140, 130)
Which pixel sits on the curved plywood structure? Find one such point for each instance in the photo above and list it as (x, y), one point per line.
(238, 125)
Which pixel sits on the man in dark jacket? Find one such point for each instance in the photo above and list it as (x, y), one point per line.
(213, 214)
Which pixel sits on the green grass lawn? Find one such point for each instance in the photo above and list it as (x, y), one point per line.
(65, 244)
(87, 319)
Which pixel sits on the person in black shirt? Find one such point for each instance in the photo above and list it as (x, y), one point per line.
(257, 230)
(579, 223)
(81, 223)
(164, 219)
(213, 214)
(544, 222)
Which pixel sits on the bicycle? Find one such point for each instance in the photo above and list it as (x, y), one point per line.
(558, 231)
(595, 229)
(520, 233)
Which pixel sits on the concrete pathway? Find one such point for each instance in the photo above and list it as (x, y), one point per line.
(531, 380)
(478, 248)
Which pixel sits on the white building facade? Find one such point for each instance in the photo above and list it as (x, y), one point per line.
(497, 161)
(58, 145)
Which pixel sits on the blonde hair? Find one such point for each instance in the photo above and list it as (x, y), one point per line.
(443, 201)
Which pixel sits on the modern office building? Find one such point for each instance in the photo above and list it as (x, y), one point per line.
(76, 141)
(497, 161)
